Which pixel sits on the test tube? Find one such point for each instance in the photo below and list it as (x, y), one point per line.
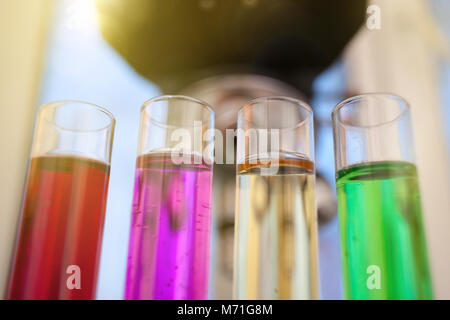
(384, 254)
(168, 256)
(59, 239)
(276, 220)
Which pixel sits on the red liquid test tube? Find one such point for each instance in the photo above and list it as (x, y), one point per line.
(57, 250)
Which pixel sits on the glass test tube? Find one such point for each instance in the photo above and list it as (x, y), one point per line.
(60, 230)
(384, 253)
(168, 255)
(276, 219)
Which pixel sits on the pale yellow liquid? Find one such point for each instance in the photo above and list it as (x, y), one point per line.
(276, 233)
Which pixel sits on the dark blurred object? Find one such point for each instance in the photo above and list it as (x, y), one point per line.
(176, 42)
(228, 93)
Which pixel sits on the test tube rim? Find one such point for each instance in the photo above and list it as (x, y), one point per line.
(405, 109)
(299, 103)
(59, 103)
(167, 97)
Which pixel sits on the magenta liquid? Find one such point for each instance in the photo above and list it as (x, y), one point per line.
(168, 255)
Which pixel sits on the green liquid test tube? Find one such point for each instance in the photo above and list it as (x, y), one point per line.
(383, 244)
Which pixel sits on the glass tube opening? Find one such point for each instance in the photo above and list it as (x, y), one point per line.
(290, 113)
(370, 110)
(74, 128)
(177, 111)
(77, 116)
(372, 128)
(275, 127)
(172, 123)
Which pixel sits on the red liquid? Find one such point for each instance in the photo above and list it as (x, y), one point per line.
(61, 225)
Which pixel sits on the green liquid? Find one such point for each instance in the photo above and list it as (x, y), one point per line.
(384, 253)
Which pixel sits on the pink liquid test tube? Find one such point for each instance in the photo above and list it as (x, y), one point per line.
(168, 255)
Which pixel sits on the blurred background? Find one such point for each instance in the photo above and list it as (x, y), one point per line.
(119, 53)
